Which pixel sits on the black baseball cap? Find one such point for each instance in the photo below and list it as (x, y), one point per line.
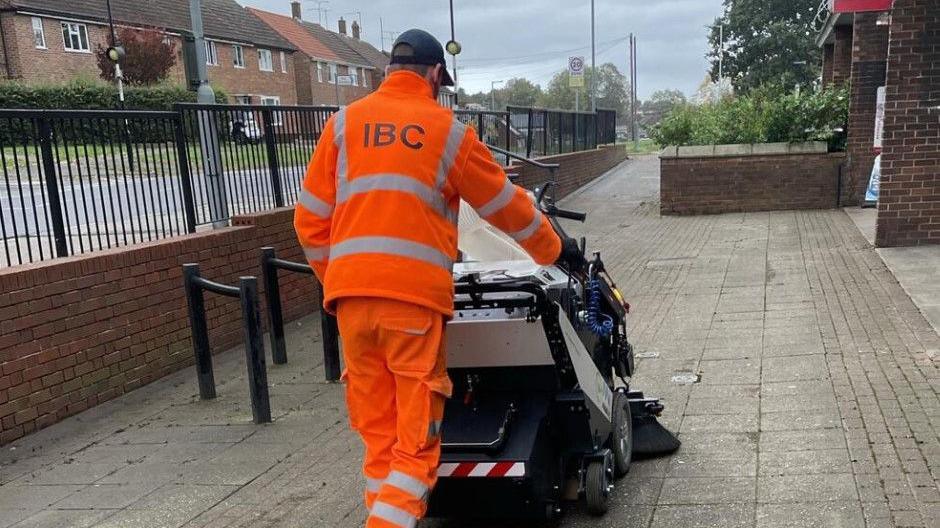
(427, 50)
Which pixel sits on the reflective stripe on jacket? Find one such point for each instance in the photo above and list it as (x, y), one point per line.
(377, 213)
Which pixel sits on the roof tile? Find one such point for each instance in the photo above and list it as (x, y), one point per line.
(223, 19)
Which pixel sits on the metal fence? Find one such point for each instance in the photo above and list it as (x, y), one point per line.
(79, 181)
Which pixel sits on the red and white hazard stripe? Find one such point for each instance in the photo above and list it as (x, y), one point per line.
(481, 469)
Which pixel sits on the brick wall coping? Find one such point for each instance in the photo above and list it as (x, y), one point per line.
(755, 149)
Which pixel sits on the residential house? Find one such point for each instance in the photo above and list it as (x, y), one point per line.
(48, 41)
(332, 68)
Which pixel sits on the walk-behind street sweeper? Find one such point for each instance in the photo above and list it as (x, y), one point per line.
(542, 410)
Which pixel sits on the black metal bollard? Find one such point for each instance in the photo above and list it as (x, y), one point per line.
(272, 294)
(254, 351)
(329, 330)
(197, 319)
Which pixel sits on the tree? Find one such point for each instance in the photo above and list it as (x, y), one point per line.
(766, 41)
(148, 60)
(658, 105)
(612, 90)
(519, 92)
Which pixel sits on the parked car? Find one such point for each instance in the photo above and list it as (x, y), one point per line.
(245, 129)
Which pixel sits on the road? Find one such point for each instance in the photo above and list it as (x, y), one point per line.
(107, 211)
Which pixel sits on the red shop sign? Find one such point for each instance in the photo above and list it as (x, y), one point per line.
(855, 6)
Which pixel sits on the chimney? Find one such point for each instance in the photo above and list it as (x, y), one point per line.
(342, 26)
(355, 30)
(295, 10)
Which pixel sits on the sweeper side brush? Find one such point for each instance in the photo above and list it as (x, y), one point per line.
(542, 410)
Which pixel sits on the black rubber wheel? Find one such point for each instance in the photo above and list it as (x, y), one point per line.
(621, 442)
(596, 487)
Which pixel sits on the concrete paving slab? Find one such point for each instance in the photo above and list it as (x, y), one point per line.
(818, 380)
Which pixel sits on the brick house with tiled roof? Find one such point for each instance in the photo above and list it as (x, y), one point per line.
(322, 56)
(47, 41)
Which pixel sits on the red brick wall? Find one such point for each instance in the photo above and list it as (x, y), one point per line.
(577, 169)
(55, 64)
(842, 55)
(78, 331)
(869, 56)
(712, 185)
(909, 203)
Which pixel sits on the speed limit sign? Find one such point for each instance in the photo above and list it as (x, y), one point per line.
(576, 71)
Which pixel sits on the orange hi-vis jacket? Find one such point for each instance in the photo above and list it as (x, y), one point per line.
(377, 214)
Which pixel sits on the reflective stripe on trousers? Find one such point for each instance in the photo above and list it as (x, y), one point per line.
(394, 515)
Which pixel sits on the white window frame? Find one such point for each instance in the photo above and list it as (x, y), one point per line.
(76, 30)
(212, 53)
(238, 56)
(39, 34)
(273, 100)
(283, 58)
(353, 72)
(365, 78)
(262, 53)
(334, 71)
(319, 71)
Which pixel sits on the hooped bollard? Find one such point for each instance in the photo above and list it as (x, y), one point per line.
(272, 291)
(247, 293)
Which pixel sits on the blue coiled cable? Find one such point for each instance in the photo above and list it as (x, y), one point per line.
(601, 324)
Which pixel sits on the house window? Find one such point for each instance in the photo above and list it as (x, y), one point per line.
(353, 76)
(265, 61)
(243, 99)
(277, 118)
(238, 56)
(39, 36)
(212, 53)
(332, 77)
(283, 59)
(75, 37)
(365, 78)
(319, 72)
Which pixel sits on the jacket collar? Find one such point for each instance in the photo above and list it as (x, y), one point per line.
(404, 82)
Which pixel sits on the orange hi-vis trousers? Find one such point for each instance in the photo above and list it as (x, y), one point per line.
(396, 385)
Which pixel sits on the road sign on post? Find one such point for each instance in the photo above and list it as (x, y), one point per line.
(576, 72)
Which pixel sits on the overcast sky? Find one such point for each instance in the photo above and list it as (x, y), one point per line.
(503, 39)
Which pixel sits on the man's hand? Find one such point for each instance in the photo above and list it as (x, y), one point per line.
(571, 255)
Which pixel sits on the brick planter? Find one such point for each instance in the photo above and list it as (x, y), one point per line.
(741, 178)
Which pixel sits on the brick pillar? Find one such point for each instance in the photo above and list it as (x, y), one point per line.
(869, 59)
(909, 205)
(842, 55)
(828, 56)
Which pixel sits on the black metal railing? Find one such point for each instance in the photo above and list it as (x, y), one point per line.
(78, 181)
(262, 155)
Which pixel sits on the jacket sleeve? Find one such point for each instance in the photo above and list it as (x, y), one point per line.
(483, 184)
(313, 215)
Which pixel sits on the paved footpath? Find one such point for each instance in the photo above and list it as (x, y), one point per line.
(817, 404)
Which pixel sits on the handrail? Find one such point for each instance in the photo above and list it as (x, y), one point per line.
(519, 157)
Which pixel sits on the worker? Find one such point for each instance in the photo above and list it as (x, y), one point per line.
(377, 220)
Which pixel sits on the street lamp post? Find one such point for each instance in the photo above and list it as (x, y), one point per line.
(593, 65)
(493, 94)
(208, 125)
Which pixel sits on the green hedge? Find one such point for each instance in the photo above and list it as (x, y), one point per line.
(764, 116)
(83, 95)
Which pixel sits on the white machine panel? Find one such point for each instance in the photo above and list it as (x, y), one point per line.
(480, 340)
(591, 380)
